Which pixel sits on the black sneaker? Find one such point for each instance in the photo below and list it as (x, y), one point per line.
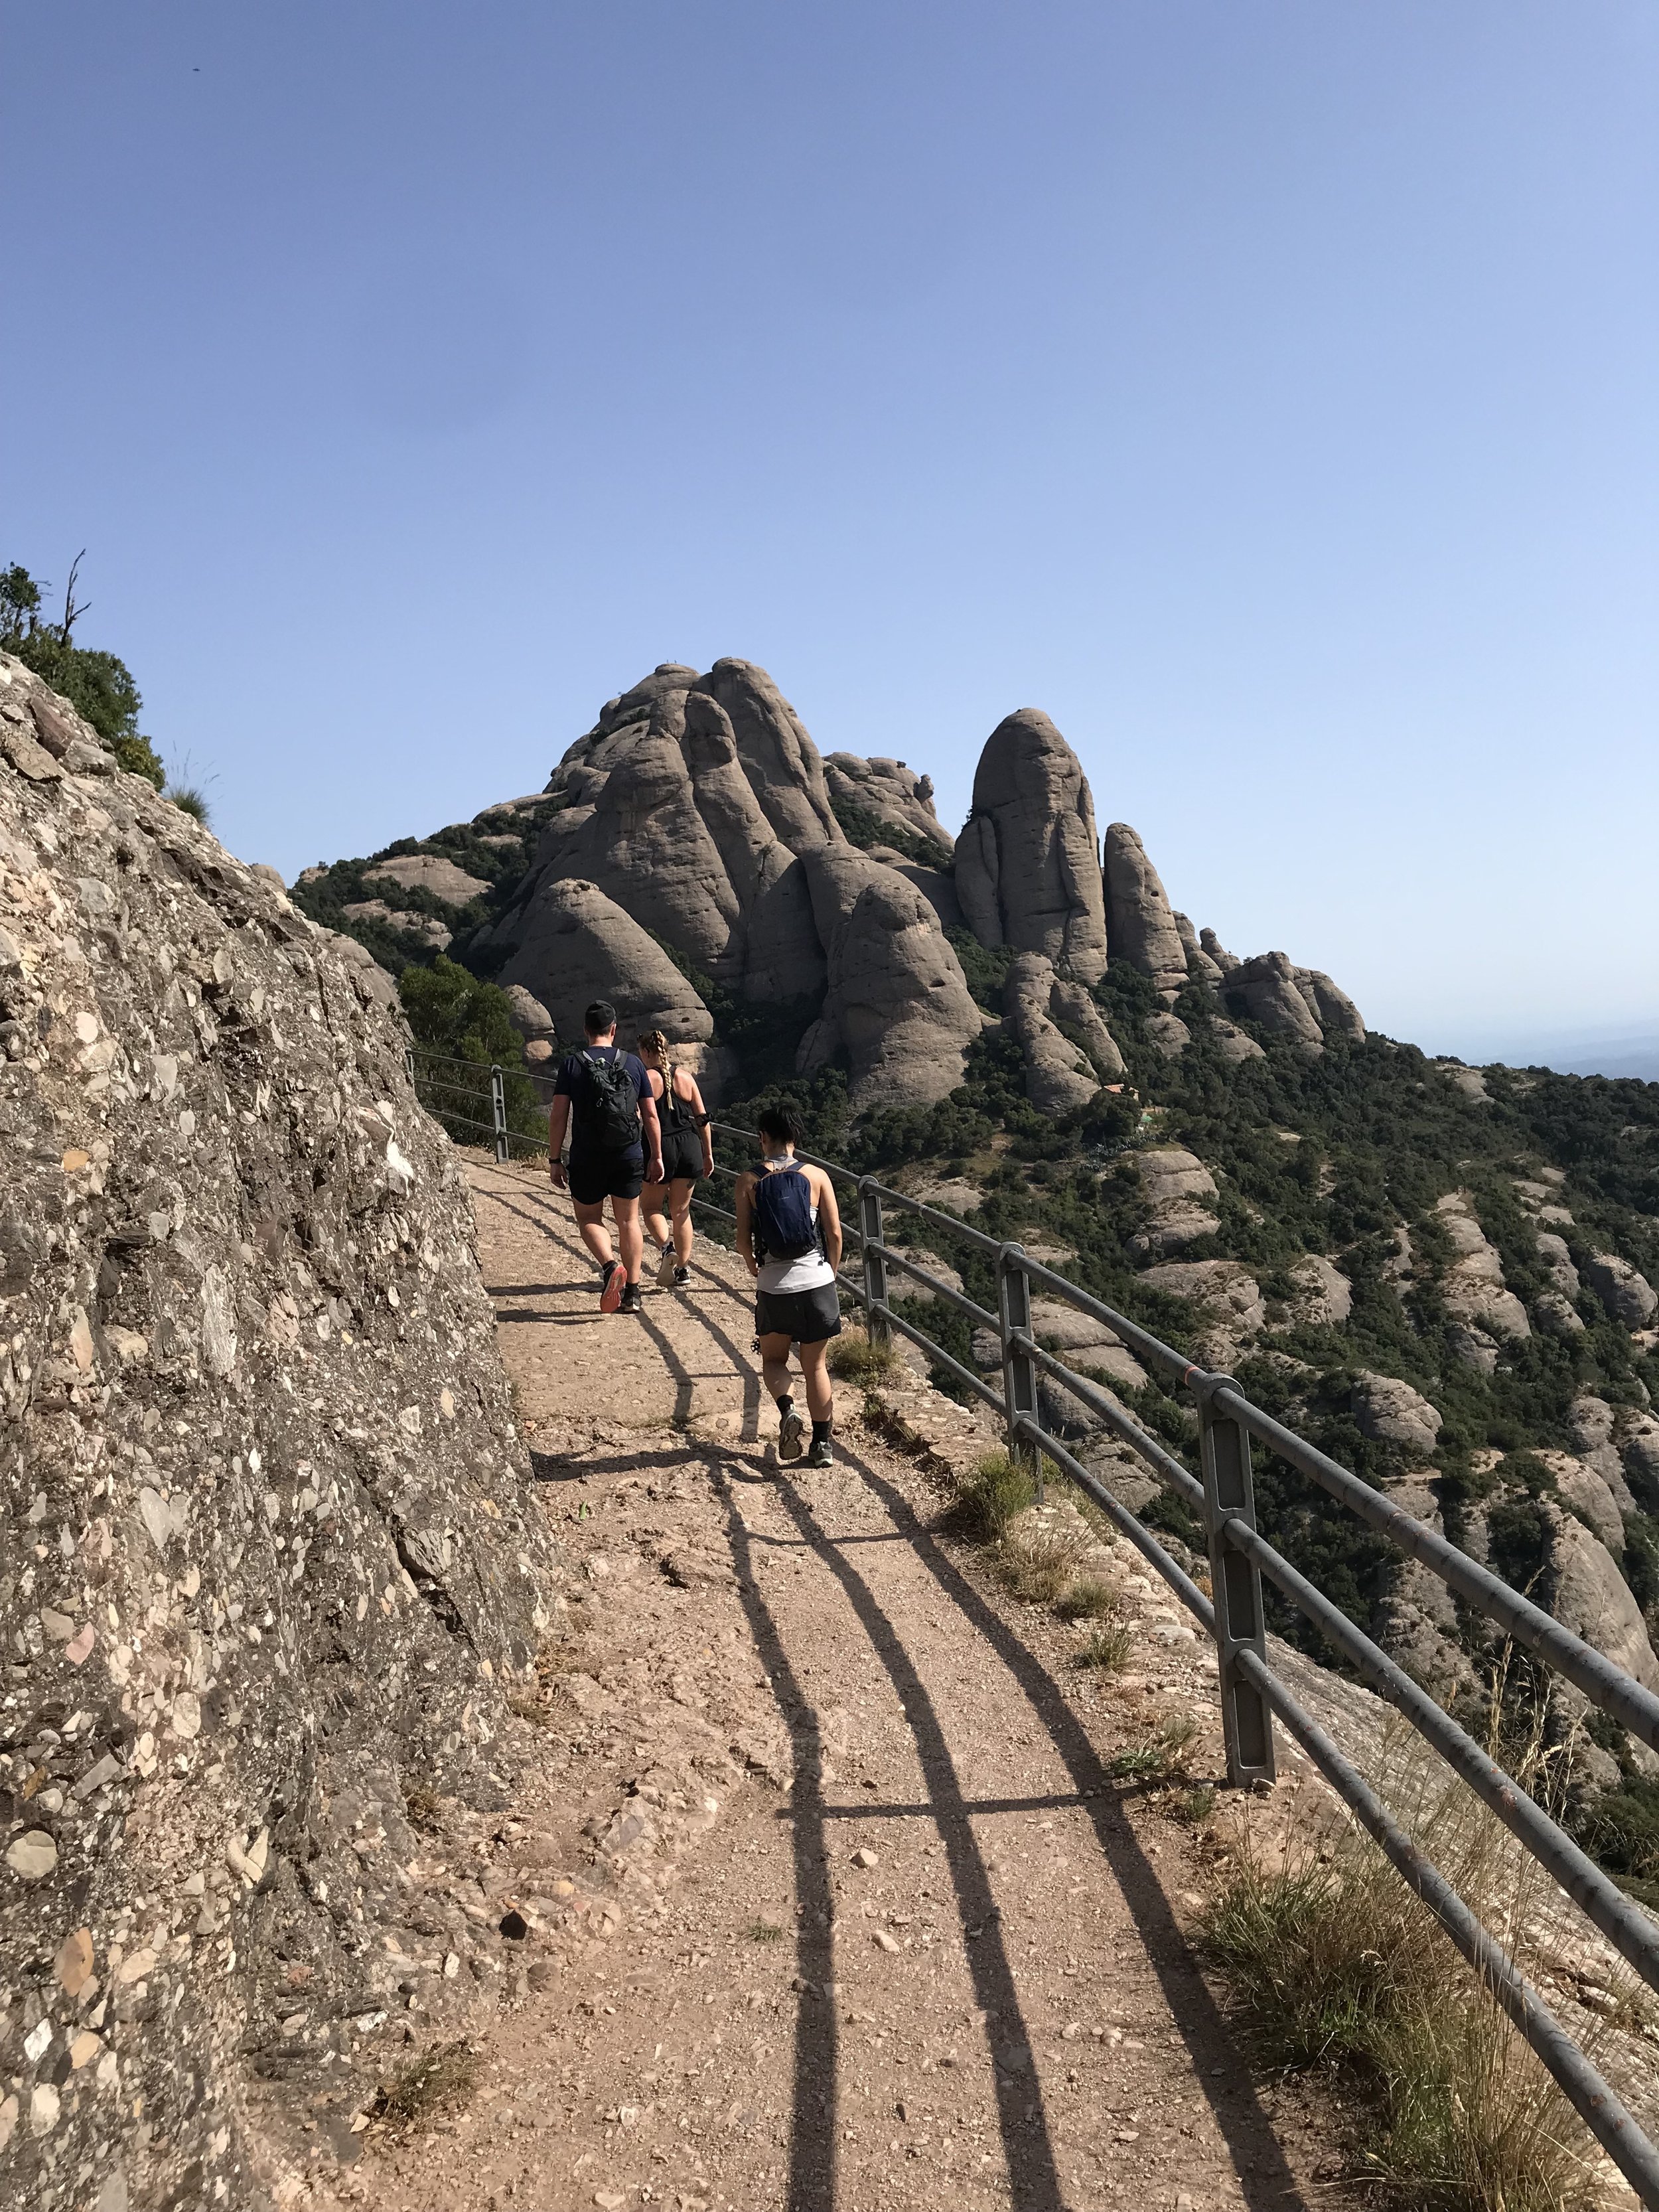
(630, 1299)
(615, 1279)
(821, 1455)
(667, 1274)
(681, 1278)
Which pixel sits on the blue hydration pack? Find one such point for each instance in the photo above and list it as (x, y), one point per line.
(783, 1213)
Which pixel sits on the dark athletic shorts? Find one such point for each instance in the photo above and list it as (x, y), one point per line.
(682, 1156)
(605, 1174)
(803, 1316)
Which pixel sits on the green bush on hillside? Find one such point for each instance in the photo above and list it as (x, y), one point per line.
(456, 1017)
(97, 685)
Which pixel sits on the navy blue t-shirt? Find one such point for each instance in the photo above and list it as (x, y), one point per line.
(572, 1083)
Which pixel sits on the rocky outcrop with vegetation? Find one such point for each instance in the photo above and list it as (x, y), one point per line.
(269, 1558)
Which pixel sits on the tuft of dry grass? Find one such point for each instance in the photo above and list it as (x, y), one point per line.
(1164, 1753)
(857, 1358)
(436, 2083)
(1108, 1649)
(763, 1931)
(1088, 1597)
(991, 1499)
(1037, 1567)
(1333, 1962)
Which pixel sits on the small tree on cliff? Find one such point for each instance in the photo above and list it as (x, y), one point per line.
(456, 1016)
(97, 685)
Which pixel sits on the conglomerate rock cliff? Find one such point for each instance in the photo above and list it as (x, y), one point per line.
(268, 1552)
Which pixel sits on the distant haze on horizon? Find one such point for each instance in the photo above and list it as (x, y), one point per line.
(1265, 391)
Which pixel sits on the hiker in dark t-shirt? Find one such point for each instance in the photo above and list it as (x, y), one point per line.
(603, 1097)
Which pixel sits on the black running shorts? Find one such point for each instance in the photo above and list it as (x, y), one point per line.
(682, 1156)
(600, 1176)
(803, 1316)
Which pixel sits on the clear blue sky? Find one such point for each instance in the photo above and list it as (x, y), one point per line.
(1267, 391)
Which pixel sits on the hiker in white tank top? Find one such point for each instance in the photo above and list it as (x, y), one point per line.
(810, 1271)
(797, 1301)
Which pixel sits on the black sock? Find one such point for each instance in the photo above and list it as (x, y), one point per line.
(785, 1404)
(820, 1432)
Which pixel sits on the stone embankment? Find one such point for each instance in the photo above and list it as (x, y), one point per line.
(269, 1556)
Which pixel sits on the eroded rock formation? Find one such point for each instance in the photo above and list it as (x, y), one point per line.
(1028, 862)
(271, 1548)
(1140, 928)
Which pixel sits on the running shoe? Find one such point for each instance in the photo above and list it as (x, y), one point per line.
(681, 1278)
(792, 1436)
(616, 1282)
(821, 1455)
(667, 1273)
(631, 1300)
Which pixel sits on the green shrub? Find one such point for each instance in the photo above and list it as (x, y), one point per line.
(456, 1018)
(1107, 1650)
(990, 1499)
(856, 1357)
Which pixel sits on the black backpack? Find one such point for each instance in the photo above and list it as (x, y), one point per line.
(610, 1105)
(783, 1213)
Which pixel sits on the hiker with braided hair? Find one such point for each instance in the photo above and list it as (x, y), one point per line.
(687, 1152)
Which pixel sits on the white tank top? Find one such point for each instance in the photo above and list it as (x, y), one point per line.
(808, 1273)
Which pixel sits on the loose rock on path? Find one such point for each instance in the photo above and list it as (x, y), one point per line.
(828, 1901)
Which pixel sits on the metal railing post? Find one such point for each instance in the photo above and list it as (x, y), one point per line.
(498, 1113)
(1236, 1586)
(1019, 1375)
(875, 1265)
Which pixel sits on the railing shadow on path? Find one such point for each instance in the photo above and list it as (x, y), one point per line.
(1263, 2172)
(1264, 2175)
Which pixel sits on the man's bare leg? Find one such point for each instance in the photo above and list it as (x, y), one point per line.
(590, 1219)
(630, 1239)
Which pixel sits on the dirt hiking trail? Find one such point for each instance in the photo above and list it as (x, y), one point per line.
(825, 1898)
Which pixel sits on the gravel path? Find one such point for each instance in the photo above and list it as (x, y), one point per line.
(832, 1903)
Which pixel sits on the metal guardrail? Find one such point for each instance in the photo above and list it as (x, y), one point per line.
(1252, 1695)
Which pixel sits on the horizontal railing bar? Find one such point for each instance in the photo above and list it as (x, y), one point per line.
(1606, 1685)
(937, 1353)
(989, 1245)
(1121, 1517)
(959, 1299)
(1591, 2096)
(453, 1090)
(1623, 1922)
(489, 1127)
(1183, 1482)
(1134, 1335)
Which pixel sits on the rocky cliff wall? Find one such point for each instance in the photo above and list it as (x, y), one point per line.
(267, 1547)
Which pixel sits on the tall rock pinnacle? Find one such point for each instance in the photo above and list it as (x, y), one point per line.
(1140, 927)
(1028, 866)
